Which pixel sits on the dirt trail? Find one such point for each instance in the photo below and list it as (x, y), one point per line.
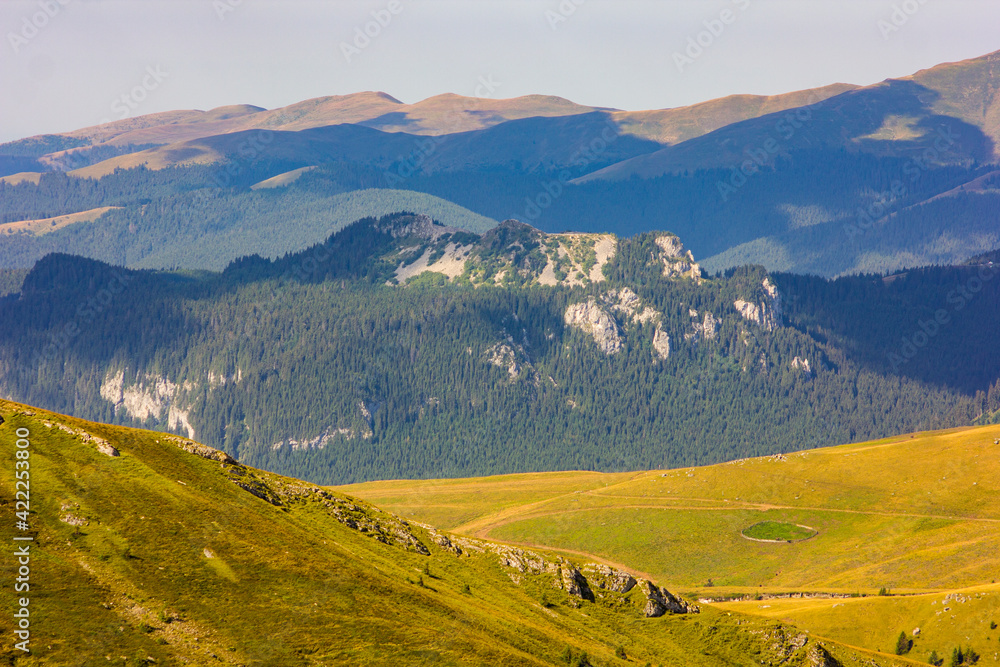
(484, 526)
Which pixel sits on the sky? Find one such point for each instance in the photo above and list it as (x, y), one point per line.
(67, 64)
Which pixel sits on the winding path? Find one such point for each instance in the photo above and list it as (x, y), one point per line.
(484, 526)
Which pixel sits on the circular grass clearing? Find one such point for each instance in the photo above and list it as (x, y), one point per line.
(775, 531)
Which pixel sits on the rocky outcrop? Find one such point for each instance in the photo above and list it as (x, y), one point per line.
(320, 441)
(659, 601)
(704, 329)
(767, 312)
(603, 318)
(574, 583)
(677, 262)
(149, 397)
(608, 578)
(74, 520)
(670, 245)
(383, 528)
(420, 225)
(661, 343)
(102, 445)
(749, 311)
(367, 520)
(445, 542)
(106, 449)
(504, 356)
(628, 304)
(774, 295)
(802, 365)
(595, 321)
(204, 451)
(817, 656)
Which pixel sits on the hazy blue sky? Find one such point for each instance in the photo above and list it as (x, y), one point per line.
(73, 70)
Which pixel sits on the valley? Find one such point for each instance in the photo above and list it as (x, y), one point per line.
(404, 348)
(500, 378)
(914, 516)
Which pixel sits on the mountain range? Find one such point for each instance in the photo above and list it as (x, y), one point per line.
(401, 347)
(832, 181)
(508, 381)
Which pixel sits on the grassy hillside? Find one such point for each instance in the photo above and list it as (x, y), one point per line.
(163, 551)
(915, 514)
(931, 514)
(435, 116)
(946, 620)
(672, 126)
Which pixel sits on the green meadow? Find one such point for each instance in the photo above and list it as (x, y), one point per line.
(161, 556)
(915, 514)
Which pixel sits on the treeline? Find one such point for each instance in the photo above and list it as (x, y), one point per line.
(400, 380)
(821, 211)
(180, 218)
(933, 324)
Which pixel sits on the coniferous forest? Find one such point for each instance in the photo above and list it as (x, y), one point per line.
(314, 366)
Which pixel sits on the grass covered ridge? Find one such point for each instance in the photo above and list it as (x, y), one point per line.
(171, 552)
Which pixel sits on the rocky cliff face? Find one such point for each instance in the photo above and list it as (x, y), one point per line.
(702, 328)
(677, 262)
(802, 365)
(605, 318)
(510, 357)
(512, 253)
(766, 312)
(597, 322)
(661, 343)
(660, 601)
(149, 397)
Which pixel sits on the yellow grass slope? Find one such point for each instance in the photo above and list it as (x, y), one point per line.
(942, 621)
(162, 551)
(42, 226)
(941, 477)
(916, 514)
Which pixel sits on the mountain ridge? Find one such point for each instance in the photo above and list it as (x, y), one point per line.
(420, 350)
(733, 144)
(136, 555)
